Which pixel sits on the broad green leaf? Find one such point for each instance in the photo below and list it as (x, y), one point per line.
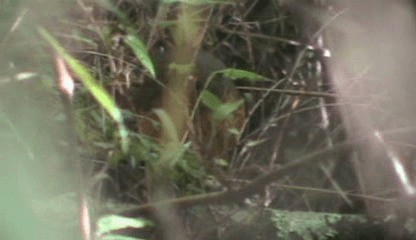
(210, 100)
(98, 91)
(226, 109)
(140, 51)
(114, 222)
(234, 74)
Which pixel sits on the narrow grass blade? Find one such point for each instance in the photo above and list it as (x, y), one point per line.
(235, 74)
(167, 125)
(98, 91)
(140, 51)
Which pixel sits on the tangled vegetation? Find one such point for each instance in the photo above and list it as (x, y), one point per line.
(182, 113)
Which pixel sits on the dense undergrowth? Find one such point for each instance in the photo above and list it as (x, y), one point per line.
(276, 126)
(255, 101)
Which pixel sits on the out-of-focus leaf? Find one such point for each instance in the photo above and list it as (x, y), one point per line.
(221, 110)
(234, 131)
(210, 100)
(221, 162)
(98, 91)
(119, 237)
(167, 125)
(226, 109)
(140, 51)
(114, 222)
(174, 150)
(235, 74)
(25, 76)
(176, 154)
(133, 41)
(255, 143)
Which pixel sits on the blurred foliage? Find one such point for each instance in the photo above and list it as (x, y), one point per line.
(120, 51)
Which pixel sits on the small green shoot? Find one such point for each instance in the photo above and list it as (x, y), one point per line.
(132, 40)
(235, 74)
(221, 110)
(210, 100)
(140, 51)
(227, 109)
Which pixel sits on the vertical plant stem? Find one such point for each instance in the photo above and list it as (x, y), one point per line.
(188, 35)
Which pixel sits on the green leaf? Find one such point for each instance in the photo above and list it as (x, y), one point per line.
(176, 154)
(234, 74)
(234, 131)
(254, 143)
(221, 162)
(118, 237)
(221, 110)
(98, 91)
(226, 109)
(167, 125)
(133, 41)
(140, 51)
(114, 222)
(210, 100)
(174, 150)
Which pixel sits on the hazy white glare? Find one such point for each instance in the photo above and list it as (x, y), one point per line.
(373, 44)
